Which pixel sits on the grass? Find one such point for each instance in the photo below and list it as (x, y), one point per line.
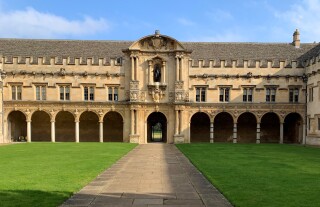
(46, 174)
(261, 175)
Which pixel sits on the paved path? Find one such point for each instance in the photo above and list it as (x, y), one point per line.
(151, 175)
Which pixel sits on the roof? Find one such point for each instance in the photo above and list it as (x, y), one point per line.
(200, 50)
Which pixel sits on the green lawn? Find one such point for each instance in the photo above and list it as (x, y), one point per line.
(252, 175)
(46, 174)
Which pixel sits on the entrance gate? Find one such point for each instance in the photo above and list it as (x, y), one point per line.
(157, 127)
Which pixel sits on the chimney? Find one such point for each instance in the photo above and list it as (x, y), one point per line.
(296, 39)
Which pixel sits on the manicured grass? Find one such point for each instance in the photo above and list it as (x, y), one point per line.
(252, 175)
(46, 174)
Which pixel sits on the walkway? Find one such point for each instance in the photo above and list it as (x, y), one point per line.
(151, 175)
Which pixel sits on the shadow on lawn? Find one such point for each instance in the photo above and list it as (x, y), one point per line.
(32, 198)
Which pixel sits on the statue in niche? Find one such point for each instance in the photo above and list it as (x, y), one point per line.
(157, 73)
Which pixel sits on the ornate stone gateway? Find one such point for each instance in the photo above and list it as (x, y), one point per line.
(157, 127)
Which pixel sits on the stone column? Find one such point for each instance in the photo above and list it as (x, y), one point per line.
(132, 68)
(177, 122)
(150, 79)
(258, 134)
(135, 68)
(211, 132)
(28, 130)
(132, 121)
(235, 133)
(53, 131)
(281, 133)
(180, 69)
(77, 130)
(180, 122)
(163, 76)
(177, 69)
(304, 136)
(100, 131)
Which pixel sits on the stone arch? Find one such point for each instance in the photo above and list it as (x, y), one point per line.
(195, 112)
(293, 128)
(246, 128)
(270, 128)
(157, 127)
(17, 125)
(150, 112)
(223, 127)
(65, 126)
(89, 127)
(200, 127)
(112, 127)
(40, 126)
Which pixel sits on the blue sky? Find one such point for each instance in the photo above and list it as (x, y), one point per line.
(201, 20)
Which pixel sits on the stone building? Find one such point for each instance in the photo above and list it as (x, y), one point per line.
(159, 89)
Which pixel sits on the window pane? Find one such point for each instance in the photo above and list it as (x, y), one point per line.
(86, 93)
(250, 98)
(250, 91)
(203, 94)
(38, 92)
(19, 88)
(244, 91)
(67, 89)
(61, 93)
(115, 94)
(227, 94)
(91, 93)
(14, 92)
(44, 95)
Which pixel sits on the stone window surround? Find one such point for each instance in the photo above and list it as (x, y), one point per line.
(91, 92)
(15, 89)
(65, 96)
(247, 95)
(201, 93)
(271, 93)
(224, 93)
(40, 91)
(113, 92)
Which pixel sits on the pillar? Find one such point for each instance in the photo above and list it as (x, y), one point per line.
(77, 130)
(163, 72)
(132, 122)
(258, 134)
(177, 69)
(135, 68)
(211, 132)
(235, 133)
(281, 133)
(53, 131)
(180, 69)
(101, 131)
(150, 79)
(132, 68)
(177, 122)
(304, 136)
(28, 130)
(180, 121)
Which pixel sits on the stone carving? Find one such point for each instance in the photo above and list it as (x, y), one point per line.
(157, 93)
(179, 84)
(134, 85)
(134, 95)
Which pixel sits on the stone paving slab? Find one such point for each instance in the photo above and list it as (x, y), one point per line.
(151, 175)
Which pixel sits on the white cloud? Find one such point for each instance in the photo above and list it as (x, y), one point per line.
(30, 23)
(219, 15)
(185, 22)
(304, 16)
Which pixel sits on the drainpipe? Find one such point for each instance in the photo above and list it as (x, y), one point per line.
(305, 81)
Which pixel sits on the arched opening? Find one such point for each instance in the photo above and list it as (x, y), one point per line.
(200, 128)
(17, 126)
(292, 128)
(157, 127)
(247, 128)
(157, 73)
(89, 127)
(112, 127)
(40, 127)
(223, 127)
(65, 127)
(270, 128)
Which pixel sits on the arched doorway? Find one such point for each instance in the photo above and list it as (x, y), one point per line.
(270, 128)
(89, 127)
(40, 127)
(112, 127)
(200, 128)
(292, 128)
(223, 127)
(17, 126)
(247, 128)
(157, 127)
(65, 127)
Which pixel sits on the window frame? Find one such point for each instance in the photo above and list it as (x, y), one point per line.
(40, 92)
(16, 92)
(271, 93)
(201, 94)
(247, 94)
(64, 95)
(113, 93)
(224, 94)
(294, 95)
(88, 93)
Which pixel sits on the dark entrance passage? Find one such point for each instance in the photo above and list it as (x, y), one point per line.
(89, 127)
(292, 128)
(247, 128)
(223, 127)
(112, 127)
(200, 128)
(157, 127)
(270, 128)
(65, 127)
(40, 127)
(17, 126)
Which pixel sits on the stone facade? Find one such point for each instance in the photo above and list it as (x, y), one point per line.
(159, 89)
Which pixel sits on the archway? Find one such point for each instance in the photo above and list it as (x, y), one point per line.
(270, 128)
(112, 127)
(89, 127)
(157, 127)
(17, 126)
(223, 127)
(247, 128)
(292, 128)
(200, 128)
(40, 127)
(65, 127)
